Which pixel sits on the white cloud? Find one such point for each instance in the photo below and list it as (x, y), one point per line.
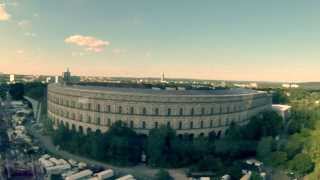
(24, 23)
(30, 34)
(90, 43)
(4, 15)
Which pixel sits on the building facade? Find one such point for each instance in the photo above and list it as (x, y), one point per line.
(189, 112)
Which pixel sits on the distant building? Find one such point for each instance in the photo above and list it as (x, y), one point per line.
(162, 78)
(48, 79)
(11, 80)
(290, 85)
(283, 110)
(66, 76)
(249, 85)
(56, 79)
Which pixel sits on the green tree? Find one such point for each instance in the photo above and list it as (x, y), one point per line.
(255, 176)
(279, 97)
(163, 175)
(301, 164)
(278, 158)
(35, 90)
(294, 145)
(265, 147)
(209, 163)
(16, 91)
(268, 123)
(159, 146)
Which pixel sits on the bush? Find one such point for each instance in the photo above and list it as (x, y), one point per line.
(163, 175)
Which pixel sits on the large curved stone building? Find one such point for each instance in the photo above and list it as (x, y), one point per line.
(192, 112)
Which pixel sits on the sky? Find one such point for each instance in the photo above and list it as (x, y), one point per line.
(209, 39)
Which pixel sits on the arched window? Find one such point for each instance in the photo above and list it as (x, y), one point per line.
(144, 111)
(181, 112)
(143, 125)
(169, 112)
(201, 124)
(191, 125)
(180, 125)
(80, 129)
(131, 110)
(131, 124)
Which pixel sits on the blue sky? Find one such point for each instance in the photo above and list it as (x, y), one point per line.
(238, 40)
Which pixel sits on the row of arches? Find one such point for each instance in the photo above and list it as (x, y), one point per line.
(87, 130)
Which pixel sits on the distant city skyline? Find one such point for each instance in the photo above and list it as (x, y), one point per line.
(234, 40)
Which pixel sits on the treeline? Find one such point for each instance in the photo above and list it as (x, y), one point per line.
(35, 90)
(295, 150)
(120, 145)
(164, 148)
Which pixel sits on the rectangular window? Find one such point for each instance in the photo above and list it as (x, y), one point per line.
(202, 111)
(181, 112)
(156, 124)
(98, 120)
(156, 111)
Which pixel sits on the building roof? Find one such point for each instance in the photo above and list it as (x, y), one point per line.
(281, 107)
(129, 90)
